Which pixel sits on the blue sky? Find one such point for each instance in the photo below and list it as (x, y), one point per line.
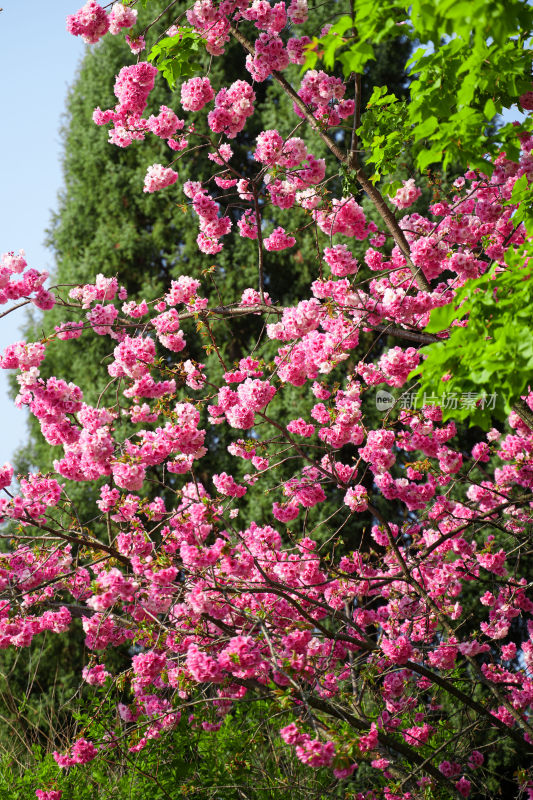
(38, 60)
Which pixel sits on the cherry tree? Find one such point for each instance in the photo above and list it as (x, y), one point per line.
(412, 655)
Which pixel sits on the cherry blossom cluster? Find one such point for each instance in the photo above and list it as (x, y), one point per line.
(197, 536)
(324, 94)
(91, 21)
(407, 194)
(212, 226)
(219, 609)
(132, 88)
(29, 285)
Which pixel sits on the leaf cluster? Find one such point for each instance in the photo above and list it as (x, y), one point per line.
(473, 60)
(493, 350)
(178, 57)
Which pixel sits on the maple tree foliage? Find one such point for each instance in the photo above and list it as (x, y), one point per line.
(396, 666)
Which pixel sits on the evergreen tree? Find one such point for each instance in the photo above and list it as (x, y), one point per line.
(104, 223)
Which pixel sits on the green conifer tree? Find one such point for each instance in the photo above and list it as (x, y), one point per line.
(105, 223)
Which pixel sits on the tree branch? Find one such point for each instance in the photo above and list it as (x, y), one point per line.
(346, 159)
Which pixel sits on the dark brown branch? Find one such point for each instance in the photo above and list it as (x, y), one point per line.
(440, 615)
(524, 412)
(403, 333)
(93, 544)
(369, 646)
(354, 157)
(232, 311)
(385, 739)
